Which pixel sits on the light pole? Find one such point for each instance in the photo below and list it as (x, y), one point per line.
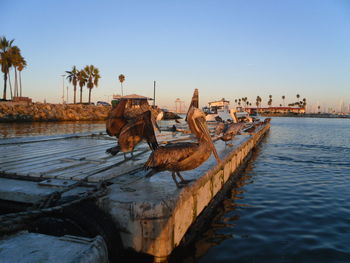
(63, 88)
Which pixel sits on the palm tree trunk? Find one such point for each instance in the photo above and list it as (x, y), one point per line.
(121, 84)
(75, 93)
(5, 86)
(20, 84)
(89, 96)
(10, 85)
(81, 94)
(15, 91)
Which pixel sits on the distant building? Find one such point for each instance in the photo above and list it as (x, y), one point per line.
(219, 105)
(275, 110)
(134, 100)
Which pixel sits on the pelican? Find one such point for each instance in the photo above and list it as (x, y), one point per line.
(132, 132)
(231, 131)
(267, 120)
(137, 130)
(116, 120)
(184, 156)
(252, 128)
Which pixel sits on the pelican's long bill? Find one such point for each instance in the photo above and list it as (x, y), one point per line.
(203, 126)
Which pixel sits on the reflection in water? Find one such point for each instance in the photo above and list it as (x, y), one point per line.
(227, 215)
(9, 130)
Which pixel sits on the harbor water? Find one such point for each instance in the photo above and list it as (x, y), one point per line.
(291, 203)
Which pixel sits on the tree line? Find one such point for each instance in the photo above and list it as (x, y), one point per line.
(88, 76)
(258, 101)
(11, 58)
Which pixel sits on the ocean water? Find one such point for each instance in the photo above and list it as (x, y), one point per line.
(28, 129)
(292, 202)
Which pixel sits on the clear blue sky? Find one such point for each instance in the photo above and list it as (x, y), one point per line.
(225, 49)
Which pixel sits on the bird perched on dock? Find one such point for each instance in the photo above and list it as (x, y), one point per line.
(183, 156)
(130, 132)
(267, 120)
(253, 127)
(230, 131)
(116, 120)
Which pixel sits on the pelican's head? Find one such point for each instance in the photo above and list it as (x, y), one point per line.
(234, 115)
(198, 125)
(160, 116)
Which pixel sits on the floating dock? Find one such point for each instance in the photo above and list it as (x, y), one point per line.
(152, 215)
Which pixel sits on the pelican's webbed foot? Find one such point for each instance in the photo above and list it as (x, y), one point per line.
(183, 182)
(129, 158)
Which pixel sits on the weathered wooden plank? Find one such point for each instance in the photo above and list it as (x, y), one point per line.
(121, 165)
(54, 153)
(34, 161)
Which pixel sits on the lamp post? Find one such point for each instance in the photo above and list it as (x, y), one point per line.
(154, 94)
(63, 88)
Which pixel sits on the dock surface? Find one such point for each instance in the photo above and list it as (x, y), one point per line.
(152, 214)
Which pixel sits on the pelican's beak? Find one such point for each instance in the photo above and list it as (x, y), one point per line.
(202, 124)
(154, 122)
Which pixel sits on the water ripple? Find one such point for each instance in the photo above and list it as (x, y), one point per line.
(291, 203)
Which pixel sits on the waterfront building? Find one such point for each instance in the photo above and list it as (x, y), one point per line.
(134, 100)
(222, 104)
(275, 110)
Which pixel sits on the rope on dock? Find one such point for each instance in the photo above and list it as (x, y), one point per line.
(18, 221)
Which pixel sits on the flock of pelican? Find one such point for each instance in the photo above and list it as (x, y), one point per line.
(174, 157)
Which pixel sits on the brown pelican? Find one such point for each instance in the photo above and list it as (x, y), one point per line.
(116, 120)
(231, 130)
(130, 133)
(267, 120)
(184, 156)
(252, 128)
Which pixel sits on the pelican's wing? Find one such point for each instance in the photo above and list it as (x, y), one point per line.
(115, 120)
(119, 109)
(234, 128)
(167, 156)
(148, 131)
(142, 127)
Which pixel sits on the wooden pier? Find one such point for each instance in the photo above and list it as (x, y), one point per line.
(152, 214)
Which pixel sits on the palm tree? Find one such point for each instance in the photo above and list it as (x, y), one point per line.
(121, 79)
(93, 75)
(82, 79)
(258, 101)
(283, 97)
(5, 60)
(73, 78)
(270, 100)
(21, 66)
(16, 60)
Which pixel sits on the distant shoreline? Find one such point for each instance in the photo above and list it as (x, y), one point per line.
(309, 115)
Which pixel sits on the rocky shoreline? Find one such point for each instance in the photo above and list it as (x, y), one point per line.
(12, 112)
(33, 112)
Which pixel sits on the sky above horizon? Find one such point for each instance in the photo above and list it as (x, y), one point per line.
(229, 49)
